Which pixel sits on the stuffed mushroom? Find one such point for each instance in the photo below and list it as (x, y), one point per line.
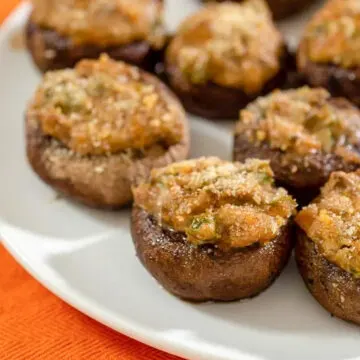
(208, 229)
(62, 32)
(328, 54)
(305, 133)
(94, 130)
(224, 56)
(328, 250)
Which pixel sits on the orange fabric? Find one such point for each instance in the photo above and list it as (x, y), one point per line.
(6, 6)
(35, 325)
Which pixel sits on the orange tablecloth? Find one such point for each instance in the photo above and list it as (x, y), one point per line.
(35, 325)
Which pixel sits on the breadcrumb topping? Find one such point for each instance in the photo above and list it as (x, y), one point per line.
(303, 121)
(333, 221)
(229, 44)
(218, 202)
(333, 35)
(104, 106)
(103, 22)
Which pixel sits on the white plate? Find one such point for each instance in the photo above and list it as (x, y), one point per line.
(87, 258)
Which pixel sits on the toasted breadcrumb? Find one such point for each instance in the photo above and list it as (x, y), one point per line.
(103, 107)
(230, 44)
(332, 221)
(333, 35)
(303, 121)
(103, 22)
(215, 201)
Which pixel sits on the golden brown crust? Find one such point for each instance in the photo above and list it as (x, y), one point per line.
(206, 273)
(98, 181)
(104, 23)
(327, 55)
(303, 121)
(301, 174)
(335, 289)
(52, 51)
(332, 221)
(105, 106)
(225, 44)
(332, 36)
(213, 201)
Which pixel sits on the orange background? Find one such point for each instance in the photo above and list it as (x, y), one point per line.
(35, 325)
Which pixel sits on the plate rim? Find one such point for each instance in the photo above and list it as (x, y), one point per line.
(81, 302)
(76, 300)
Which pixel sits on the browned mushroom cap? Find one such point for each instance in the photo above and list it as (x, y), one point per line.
(327, 250)
(97, 181)
(207, 273)
(281, 8)
(224, 56)
(60, 33)
(335, 289)
(94, 131)
(328, 54)
(304, 133)
(213, 101)
(51, 51)
(208, 229)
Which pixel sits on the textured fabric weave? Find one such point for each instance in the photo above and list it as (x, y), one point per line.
(35, 325)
